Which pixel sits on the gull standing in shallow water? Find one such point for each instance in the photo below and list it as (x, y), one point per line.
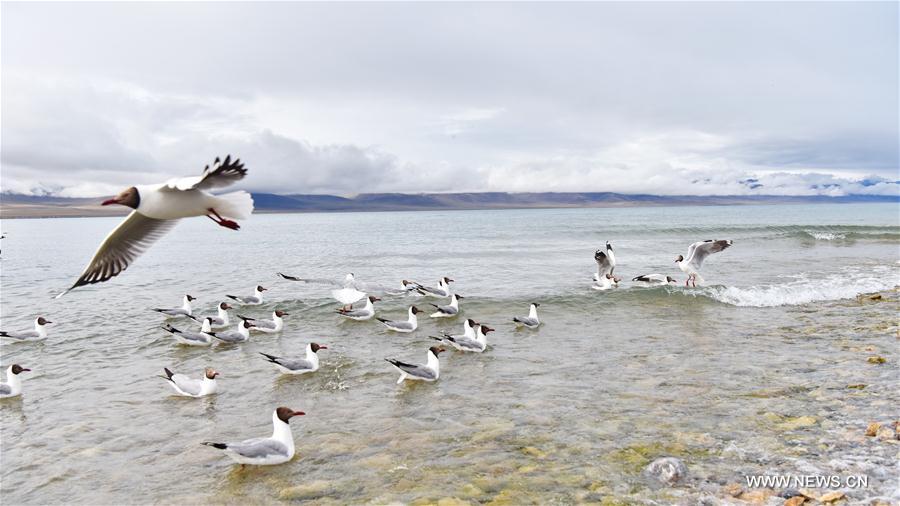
(189, 338)
(178, 312)
(13, 385)
(655, 279)
(364, 313)
(276, 324)
(698, 252)
(242, 334)
(250, 300)
(277, 449)
(157, 208)
(411, 324)
(531, 321)
(449, 310)
(430, 371)
(221, 320)
(190, 387)
(442, 290)
(39, 333)
(298, 365)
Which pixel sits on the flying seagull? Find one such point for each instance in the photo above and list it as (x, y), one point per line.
(158, 207)
(698, 252)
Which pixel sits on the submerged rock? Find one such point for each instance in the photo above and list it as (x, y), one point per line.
(667, 470)
(797, 500)
(877, 359)
(311, 490)
(872, 429)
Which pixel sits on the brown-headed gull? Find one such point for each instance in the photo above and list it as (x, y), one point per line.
(604, 279)
(268, 451)
(411, 324)
(221, 320)
(430, 371)
(698, 252)
(189, 338)
(442, 290)
(449, 310)
(531, 321)
(364, 313)
(157, 208)
(298, 365)
(250, 300)
(178, 312)
(655, 279)
(13, 385)
(476, 344)
(242, 334)
(39, 333)
(190, 387)
(276, 324)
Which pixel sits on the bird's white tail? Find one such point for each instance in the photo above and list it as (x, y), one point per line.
(236, 205)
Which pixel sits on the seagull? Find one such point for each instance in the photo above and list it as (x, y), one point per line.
(277, 449)
(178, 312)
(606, 264)
(462, 343)
(606, 282)
(365, 313)
(468, 330)
(202, 338)
(431, 371)
(39, 333)
(276, 324)
(13, 385)
(346, 292)
(158, 207)
(240, 335)
(656, 279)
(531, 321)
(250, 300)
(698, 252)
(450, 310)
(298, 365)
(221, 320)
(443, 289)
(400, 326)
(347, 296)
(190, 387)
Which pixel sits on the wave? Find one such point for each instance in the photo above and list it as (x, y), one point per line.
(801, 232)
(803, 291)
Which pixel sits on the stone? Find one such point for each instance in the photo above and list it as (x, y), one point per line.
(831, 496)
(531, 451)
(885, 433)
(452, 501)
(857, 386)
(759, 496)
(797, 500)
(733, 489)
(311, 490)
(797, 422)
(667, 470)
(877, 359)
(872, 429)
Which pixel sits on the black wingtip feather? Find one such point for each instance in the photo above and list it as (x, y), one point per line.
(169, 373)
(220, 446)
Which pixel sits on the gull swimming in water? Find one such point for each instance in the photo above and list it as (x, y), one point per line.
(276, 324)
(298, 365)
(158, 207)
(477, 344)
(430, 371)
(442, 290)
(221, 320)
(364, 313)
(250, 300)
(277, 449)
(411, 324)
(242, 334)
(38, 334)
(189, 338)
(531, 321)
(178, 312)
(655, 279)
(190, 387)
(13, 385)
(449, 310)
(698, 252)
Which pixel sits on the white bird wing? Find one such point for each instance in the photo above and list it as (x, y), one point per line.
(320, 281)
(222, 174)
(605, 264)
(702, 249)
(122, 247)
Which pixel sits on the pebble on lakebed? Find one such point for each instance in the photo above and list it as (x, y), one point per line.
(667, 470)
(877, 359)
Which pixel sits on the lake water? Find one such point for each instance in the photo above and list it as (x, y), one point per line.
(746, 375)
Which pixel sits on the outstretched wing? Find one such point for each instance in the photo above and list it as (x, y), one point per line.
(122, 247)
(319, 281)
(604, 263)
(700, 250)
(221, 174)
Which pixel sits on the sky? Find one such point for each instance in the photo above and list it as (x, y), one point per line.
(672, 98)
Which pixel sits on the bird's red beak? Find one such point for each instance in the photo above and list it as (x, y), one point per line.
(109, 202)
(298, 413)
(323, 347)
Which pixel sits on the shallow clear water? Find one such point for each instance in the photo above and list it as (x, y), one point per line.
(715, 375)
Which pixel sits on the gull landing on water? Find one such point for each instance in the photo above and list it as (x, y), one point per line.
(178, 312)
(531, 321)
(157, 208)
(190, 387)
(430, 371)
(250, 300)
(698, 252)
(39, 333)
(606, 264)
(277, 449)
(13, 385)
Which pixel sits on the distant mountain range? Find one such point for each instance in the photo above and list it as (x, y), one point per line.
(21, 206)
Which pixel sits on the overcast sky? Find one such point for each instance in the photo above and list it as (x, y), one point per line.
(666, 98)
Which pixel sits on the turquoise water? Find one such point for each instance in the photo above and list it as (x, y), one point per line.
(569, 413)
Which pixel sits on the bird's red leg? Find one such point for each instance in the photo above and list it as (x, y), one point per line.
(222, 221)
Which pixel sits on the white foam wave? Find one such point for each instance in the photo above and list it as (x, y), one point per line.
(803, 291)
(825, 236)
